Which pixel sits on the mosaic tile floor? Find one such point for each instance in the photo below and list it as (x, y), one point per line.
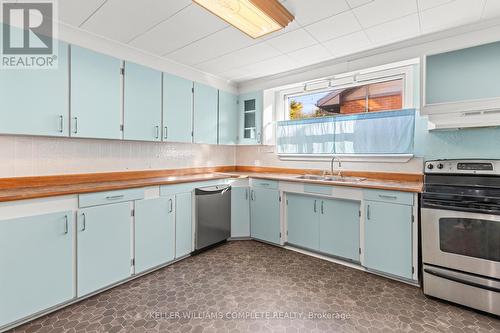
(247, 286)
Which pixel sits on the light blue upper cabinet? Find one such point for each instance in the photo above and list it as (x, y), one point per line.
(240, 212)
(104, 251)
(388, 238)
(177, 109)
(303, 221)
(183, 224)
(265, 215)
(228, 118)
(339, 228)
(36, 102)
(142, 103)
(250, 118)
(154, 233)
(466, 75)
(205, 114)
(36, 264)
(95, 95)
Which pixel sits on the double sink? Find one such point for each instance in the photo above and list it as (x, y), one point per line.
(332, 178)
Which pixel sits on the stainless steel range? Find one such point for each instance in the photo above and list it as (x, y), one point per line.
(461, 232)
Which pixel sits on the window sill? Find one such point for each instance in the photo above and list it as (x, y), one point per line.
(384, 158)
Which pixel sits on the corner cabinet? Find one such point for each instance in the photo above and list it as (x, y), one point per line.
(142, 89)
(265, 211)
(36, 261)
(177, 109)
(95, 95)
(388, 232)
(205, 113)
(228, 118)
(36, 102)
(250, 118)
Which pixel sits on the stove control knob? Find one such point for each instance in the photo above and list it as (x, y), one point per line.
(440, 166)
(430, 166)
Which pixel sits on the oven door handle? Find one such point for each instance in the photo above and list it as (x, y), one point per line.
(471, 280)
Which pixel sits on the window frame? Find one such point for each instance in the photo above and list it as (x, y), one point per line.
(405, 72)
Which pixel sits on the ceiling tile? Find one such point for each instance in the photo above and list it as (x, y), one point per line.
(269, 67)
(426, 4)
(335, 26)
(123, 20)
(357, 3)
(381, 11)
(75, 12)
(309, 11)
(240, 58)
(348, 44)
(451, 15)
(395, 30)
(292, 41)
(218, 44)
(187, 26)
(310, 55)
(492, 9)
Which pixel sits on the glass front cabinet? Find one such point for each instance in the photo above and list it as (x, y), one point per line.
(250, 122)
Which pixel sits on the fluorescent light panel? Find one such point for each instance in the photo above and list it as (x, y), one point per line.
(256, 18)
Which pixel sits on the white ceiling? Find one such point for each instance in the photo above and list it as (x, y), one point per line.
(323, 29)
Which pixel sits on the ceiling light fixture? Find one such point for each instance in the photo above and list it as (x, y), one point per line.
(256, 18)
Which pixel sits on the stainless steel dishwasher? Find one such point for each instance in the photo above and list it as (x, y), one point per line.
(213, 215)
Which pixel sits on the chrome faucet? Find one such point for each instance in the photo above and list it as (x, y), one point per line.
(339, 171)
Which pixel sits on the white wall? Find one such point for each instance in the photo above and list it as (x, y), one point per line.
(38, 156)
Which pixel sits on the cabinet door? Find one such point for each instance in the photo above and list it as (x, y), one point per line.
(154, 233)
(36, 264)
(177, 109)
(265, 215)
(95, 95)
(183, 224)
(36, 102)
(303, 221)
(240, 212)
(250, 123)
(228, 118)
(339, 228)
(388, 238)
(104, 255)
(142, 103)
(205, 114)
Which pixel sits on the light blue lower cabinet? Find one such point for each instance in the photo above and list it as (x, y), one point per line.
(183, 224)
(265, 215)
(303, 221)
(388, 238)
(154, 233)
(36, 264)
(339, 228)
(240, 212)
(104, 251)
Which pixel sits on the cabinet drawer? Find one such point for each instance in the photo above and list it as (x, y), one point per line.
(264, 183)
(103, 198)
(402, 198)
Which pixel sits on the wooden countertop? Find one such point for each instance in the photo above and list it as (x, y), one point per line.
(20, 188)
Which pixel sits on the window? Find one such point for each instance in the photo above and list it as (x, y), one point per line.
(380, 96)
(365, 113)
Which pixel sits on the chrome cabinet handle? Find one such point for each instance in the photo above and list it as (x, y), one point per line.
(368, 212)
(66, 227)
(166, 132)
(84, 223)
(61, 126)
(115, 197)
(157, 131)
(76, 125)
(315, 206)
(383, 196)
(252, 195)
(322, 207)
(171, 206)
(246, 194)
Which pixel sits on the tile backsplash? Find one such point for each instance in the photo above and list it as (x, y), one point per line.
(38, 156)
